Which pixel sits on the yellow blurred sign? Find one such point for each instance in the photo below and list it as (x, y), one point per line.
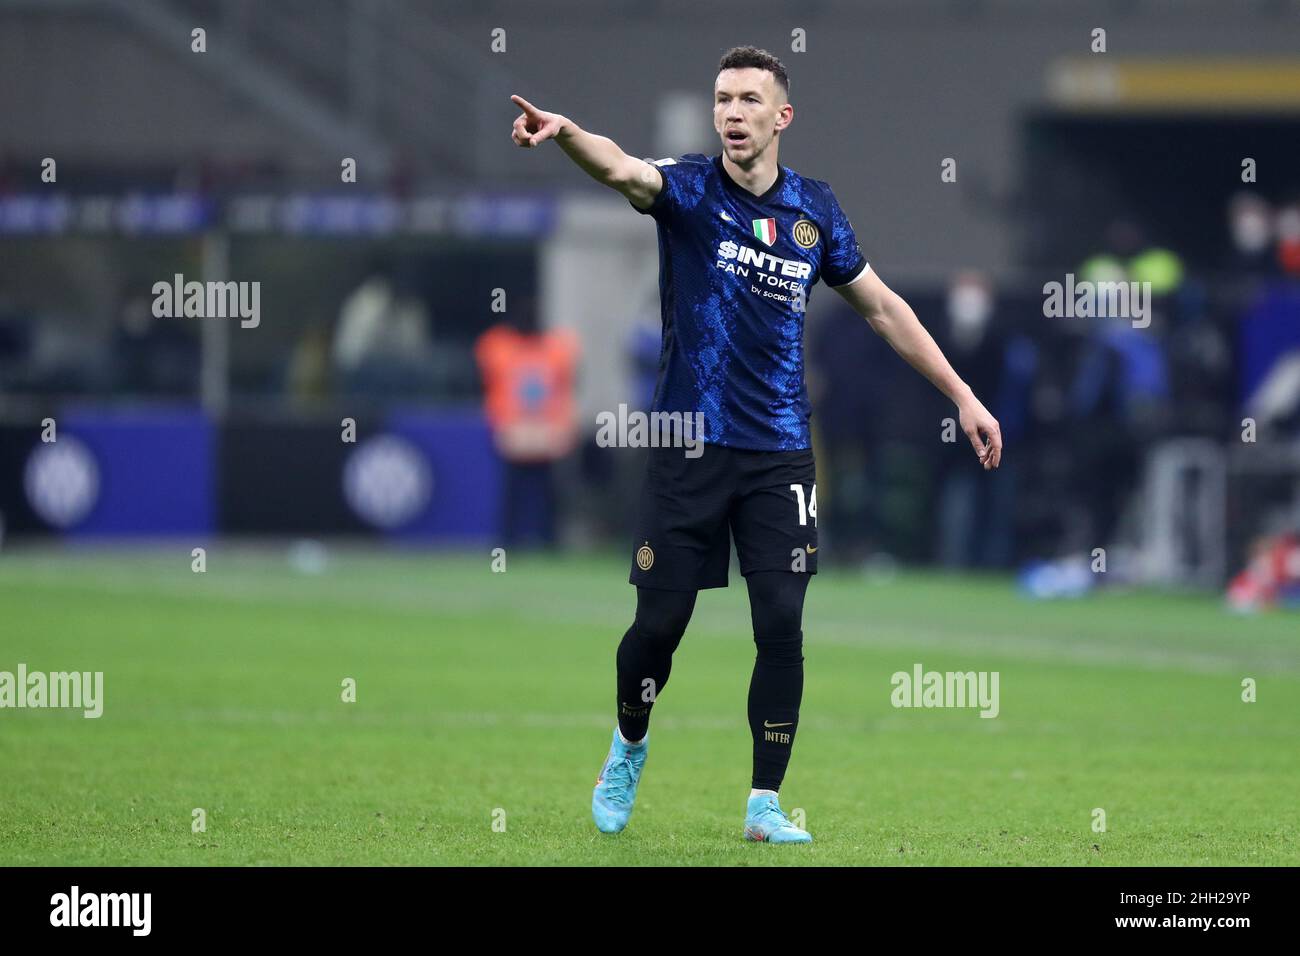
(1102, 82)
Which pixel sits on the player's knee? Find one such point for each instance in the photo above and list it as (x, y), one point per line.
(662, 616)
(779, 623)
(662, 629)
(780, 650)
(776, 604)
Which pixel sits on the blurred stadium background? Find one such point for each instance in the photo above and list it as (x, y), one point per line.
(472, 307)
(226, 165)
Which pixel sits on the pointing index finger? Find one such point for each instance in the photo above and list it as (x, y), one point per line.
(524, 105)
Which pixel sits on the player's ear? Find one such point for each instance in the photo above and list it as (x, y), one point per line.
(785, 117)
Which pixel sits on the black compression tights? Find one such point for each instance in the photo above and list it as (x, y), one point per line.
(776, 608)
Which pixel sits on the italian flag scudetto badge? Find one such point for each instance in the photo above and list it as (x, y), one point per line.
(765, 229)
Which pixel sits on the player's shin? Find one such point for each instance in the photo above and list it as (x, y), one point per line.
(643, 668)
(776, 687)
(775, 691)
(645, 655)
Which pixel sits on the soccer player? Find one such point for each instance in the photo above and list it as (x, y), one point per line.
(742, 240)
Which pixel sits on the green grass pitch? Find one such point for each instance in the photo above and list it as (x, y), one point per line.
(487, 697)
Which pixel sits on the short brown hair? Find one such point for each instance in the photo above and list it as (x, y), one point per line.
(742, 57)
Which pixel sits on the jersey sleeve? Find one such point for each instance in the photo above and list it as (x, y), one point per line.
(682, 187)
(843, 262)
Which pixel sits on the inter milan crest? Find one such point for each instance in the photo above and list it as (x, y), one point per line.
(805, 233)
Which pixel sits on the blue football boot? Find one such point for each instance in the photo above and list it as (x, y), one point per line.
(611, 801)
(766, 823)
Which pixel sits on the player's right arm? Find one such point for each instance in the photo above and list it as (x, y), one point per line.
(599, 156)
(892, 319)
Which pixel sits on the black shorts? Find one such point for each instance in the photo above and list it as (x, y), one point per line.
(768, 500)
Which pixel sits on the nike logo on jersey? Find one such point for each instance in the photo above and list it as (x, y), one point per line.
(725, 217)
(786, 724)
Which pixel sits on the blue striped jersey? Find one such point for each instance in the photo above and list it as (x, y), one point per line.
(736, 271)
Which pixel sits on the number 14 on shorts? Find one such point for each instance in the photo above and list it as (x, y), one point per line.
(807, 509)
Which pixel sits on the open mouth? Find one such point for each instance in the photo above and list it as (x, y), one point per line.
(736, 137)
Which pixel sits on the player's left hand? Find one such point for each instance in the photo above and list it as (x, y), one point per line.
(983, 431)
(533, 126)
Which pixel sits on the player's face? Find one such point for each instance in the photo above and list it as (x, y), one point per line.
(749, 109)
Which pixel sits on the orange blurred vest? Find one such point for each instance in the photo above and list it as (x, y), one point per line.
(528, 383)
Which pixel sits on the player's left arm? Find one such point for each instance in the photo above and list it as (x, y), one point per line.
(892, 319)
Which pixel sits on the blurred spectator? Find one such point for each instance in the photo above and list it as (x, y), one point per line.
(976, 513)
(1200, 352)
(152, 356)
(850, 373)
(382, 344)
(528, 380)
(1250, 224)
(1116, 400)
